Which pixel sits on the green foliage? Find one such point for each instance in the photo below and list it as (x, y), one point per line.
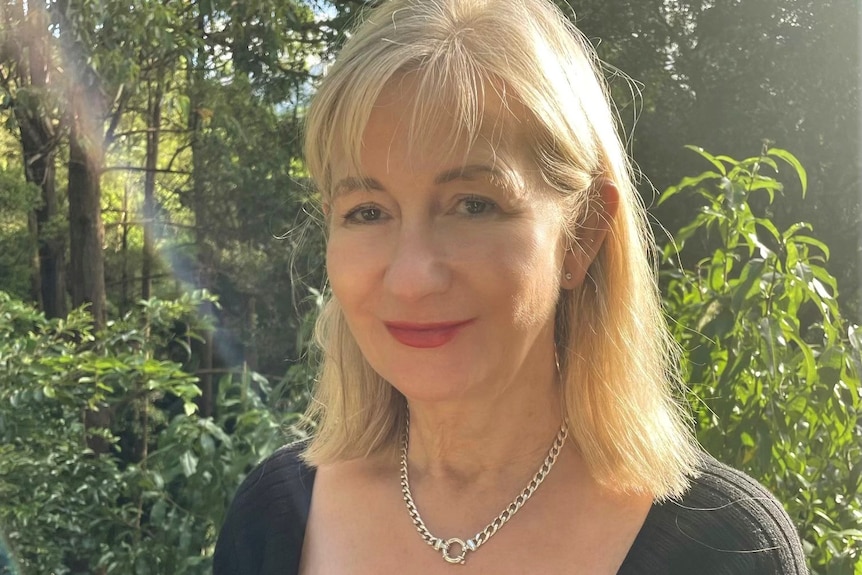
(717, 72)
(17, 197)
(154, 501)
(774, 370)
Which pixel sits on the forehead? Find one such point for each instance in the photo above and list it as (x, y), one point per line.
(408, 127)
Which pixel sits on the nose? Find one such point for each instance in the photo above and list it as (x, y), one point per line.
(417, 266)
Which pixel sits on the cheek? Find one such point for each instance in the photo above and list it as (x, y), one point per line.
(350, 266)
(528, 270)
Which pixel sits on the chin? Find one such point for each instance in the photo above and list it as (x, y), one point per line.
(431, 385)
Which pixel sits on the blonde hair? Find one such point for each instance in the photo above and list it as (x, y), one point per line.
(618, 362)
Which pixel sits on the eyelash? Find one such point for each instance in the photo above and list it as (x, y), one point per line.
(490, 206)
(354, 216)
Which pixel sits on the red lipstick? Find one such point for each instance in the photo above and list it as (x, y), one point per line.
(425, 335)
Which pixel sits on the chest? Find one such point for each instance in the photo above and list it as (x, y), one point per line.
(369, 533)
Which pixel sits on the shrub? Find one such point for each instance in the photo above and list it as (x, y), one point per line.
(153, 502)
(773, 368)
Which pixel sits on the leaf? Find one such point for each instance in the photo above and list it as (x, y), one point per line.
(767, 184)
(793, 229)
(791, 159)
(854, 335)
(748, 284)
(189, 463)
(686, 183)
(813, 242)
(773, 337)
(207, 444)
(719, 267)
(719, 326)
(754, 243)
(768, 161)
(157, 515)
(727, 159)
(808, 359)
(712, 159)
(217, 432)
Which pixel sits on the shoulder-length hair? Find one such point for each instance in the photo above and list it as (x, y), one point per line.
(618, 363)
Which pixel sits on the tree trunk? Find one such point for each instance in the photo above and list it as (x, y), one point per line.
(86, 233)
(86, 236)
(206, 402)
(39, 146)
(35, 267)
(251, 355)
(38, 151)
(52, 246)
(124, 250)
(154, 120)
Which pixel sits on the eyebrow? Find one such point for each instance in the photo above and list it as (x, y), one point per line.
(470, 172)
(499, 177)
(352, 183)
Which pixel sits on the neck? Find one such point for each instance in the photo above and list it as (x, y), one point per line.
(474, 441)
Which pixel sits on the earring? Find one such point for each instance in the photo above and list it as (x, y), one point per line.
(568, 276)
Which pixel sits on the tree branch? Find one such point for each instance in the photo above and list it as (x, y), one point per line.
(140, 169)
(148, 130)
(122, 99)
(178, 151)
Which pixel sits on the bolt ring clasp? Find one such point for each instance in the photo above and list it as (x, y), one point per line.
(445, 547)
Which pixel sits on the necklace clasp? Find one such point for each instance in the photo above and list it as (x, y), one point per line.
(446, 545)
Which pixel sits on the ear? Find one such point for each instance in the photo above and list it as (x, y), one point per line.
(591, 234)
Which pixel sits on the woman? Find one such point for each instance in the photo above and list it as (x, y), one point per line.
(497, 389)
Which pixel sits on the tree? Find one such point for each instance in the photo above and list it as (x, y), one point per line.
(728, 74)
(26, 68)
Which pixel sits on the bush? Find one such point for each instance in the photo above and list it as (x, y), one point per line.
(773, 368)
(153, 501)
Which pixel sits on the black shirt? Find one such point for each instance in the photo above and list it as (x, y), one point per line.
(725, 524)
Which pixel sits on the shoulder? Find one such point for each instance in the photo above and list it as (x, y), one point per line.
(266, 521)
(725, 523)
(284, 468)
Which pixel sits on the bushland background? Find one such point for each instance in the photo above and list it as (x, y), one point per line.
(161, 261)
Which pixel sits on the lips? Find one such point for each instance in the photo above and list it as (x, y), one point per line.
(425, 335)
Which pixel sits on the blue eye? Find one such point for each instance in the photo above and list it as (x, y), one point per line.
(364, 215)
(474, 206)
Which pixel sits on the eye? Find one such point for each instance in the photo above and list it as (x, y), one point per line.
(365, 214)
(474, 206)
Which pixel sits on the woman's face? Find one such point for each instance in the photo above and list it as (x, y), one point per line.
(447, 271)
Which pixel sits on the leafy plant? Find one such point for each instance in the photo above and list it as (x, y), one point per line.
(774, 369)
(153, 502)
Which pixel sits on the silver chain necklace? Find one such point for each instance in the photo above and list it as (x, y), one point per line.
(444, 546)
